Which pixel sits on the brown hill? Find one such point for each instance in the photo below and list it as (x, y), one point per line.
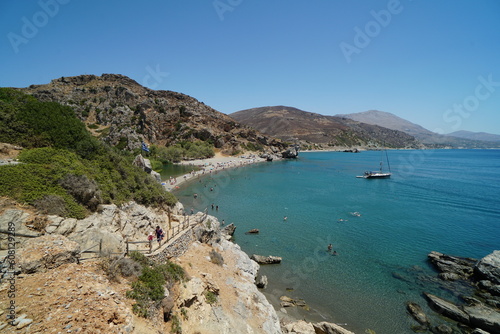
(292, 124)
(124, 113)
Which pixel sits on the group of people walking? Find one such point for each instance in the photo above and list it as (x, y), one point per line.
(159, 235)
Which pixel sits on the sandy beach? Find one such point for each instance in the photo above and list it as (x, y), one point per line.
(206, 166)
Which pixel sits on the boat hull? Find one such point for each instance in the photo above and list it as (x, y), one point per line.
(377, 176)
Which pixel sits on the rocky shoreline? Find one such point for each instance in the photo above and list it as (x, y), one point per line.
(476, 287)
(240, 306)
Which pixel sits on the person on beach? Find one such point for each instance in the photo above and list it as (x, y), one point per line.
(212, 206)
(285, 218)
(330, 247)
(195, 195)
(192, 211)
(216, 208)
(222, 222)
(159, 234)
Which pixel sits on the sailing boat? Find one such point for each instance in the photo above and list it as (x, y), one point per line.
(378, 174)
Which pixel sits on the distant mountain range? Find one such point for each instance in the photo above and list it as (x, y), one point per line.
(292, 124)
(475, 135)
(459, 139)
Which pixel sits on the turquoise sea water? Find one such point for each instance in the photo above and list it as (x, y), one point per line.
(442, 200)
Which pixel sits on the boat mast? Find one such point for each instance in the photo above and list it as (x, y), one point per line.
(388, 165)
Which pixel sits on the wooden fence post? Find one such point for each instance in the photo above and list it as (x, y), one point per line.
(126, 249)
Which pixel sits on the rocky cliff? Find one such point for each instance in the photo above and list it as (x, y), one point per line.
(58, 291)
(124, 113)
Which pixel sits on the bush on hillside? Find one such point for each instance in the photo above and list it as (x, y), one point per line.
(65, 170)
(185, 150)
(149, 289)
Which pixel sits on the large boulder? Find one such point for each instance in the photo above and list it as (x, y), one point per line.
(489, 267)
(266, 259)
(484, 317)
(447, 309)
(143, 163)
(14, 219)
(329, 328)
(291, 153)
(299, 327)
(47, 252)
(417, 313)
(452, 267)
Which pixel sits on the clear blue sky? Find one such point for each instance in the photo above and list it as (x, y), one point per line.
(414, 58)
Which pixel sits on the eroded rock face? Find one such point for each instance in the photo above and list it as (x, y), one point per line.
(489, 267)
(224, 299)
(111, 224)
(47, 252)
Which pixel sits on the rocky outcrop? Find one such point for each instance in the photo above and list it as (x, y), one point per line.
(452, 267)
(477, 316)
(477, 284)
(111, 224)
(224, 299)
(266, 259)
(291, 153)
(447, 309)
(229, 230)
(125, 114)
(261, 281)
(145, 165)
(488, 268)
(417, 313)
(303, 327)
(329, 328)
(47, 252)
(252, 231)
(17, 219)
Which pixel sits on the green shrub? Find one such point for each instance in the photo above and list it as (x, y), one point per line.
(210, 297)
(149, 289)
(176, 325)
(62, 162)
(140, 258)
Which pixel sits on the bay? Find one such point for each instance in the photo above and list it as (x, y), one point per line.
(441, 200)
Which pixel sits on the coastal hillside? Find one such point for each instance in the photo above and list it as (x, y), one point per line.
(425, 136)
(483, 136)
(292, 124)
(123, 113)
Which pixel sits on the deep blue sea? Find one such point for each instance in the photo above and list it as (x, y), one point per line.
(436, 200)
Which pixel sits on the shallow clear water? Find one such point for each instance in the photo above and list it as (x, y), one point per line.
(441, 200)
(175, 170)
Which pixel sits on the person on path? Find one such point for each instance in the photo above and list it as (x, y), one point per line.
(159, 234)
